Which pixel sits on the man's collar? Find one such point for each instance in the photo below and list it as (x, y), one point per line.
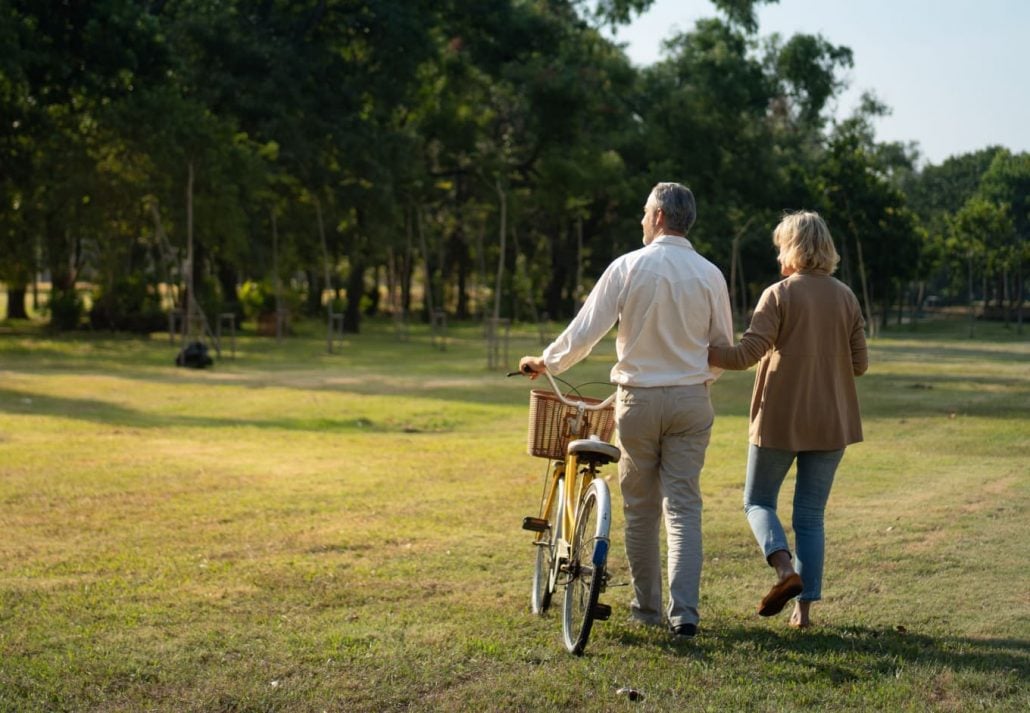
(671, 240)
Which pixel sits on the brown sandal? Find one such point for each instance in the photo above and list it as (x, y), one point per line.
(781, 593)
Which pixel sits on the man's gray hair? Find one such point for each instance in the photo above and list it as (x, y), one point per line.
(677, 203)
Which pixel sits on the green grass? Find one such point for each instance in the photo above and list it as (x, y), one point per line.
(294, 530)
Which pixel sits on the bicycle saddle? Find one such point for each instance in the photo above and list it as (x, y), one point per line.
(594, 450)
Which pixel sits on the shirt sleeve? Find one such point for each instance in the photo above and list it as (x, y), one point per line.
(757, 340)
(720, 329)
(596, 318)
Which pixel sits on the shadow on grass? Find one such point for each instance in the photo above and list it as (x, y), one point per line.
(924, 395)
(867, 651)
(376, 370)
(1015, 352)
(944, 395)
(103, 412)
(841, 654)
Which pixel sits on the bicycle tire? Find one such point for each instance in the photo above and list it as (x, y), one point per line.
(545, 571)
(587, 566)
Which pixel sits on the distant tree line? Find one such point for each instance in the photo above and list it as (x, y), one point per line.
(485, 158)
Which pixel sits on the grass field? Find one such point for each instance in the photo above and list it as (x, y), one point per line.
(299, 531)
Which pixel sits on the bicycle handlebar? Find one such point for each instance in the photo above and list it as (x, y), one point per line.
(568, 402)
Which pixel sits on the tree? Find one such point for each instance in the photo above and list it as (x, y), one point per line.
(878, 236)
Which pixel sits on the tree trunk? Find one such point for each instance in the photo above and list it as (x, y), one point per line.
(579, 296)
(556, 306)
(328, 281)
(276, 280)
(525, 278)
(314, 296)
(227, 280)
(503, 220)
(191, 295)
(461, 252)
(871, 321)
(406, 270)
(427, 299)
(392, 281)
(845, 256)
(1004, 297)
(972, 310)
(481, 282)
(355, 290)
(737, 271)
(374, 292)
(917, 304)
(901, 302)
(463, 261)
(1019, 292)
(16, 301)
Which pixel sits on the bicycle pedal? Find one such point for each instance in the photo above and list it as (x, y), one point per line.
(601, 612)
(535, 524)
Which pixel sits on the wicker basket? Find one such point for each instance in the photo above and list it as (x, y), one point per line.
(551, 423)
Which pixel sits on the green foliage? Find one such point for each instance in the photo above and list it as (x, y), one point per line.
(742, 12)
(808, 65)
(256, 298)
(975, 209)
(129, 304)
(379, 140)
(65, 309)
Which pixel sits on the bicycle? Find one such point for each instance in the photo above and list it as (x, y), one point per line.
(572, 434)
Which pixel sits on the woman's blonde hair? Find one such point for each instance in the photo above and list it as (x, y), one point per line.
(805, 243)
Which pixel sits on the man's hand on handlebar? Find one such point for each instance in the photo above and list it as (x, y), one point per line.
(532, 366)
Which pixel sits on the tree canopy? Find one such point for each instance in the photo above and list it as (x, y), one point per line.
(479, 158)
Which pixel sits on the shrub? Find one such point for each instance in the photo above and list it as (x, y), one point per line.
(129, 305)
(66, 309)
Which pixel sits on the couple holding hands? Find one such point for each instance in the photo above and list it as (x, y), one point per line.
(674, 339)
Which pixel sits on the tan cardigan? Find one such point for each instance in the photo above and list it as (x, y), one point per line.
(806, 334)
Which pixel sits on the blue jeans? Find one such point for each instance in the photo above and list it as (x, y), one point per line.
(766, 469)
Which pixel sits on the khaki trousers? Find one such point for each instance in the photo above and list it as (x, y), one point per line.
(663, 434)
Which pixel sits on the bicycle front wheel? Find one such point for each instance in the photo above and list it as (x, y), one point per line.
(587, 566)
(546, 570)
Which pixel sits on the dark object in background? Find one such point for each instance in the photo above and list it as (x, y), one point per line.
(195, 356)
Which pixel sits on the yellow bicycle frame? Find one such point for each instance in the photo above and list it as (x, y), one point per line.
(576, 484)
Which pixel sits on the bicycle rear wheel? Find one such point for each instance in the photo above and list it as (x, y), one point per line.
(587, 567)
(545, 571)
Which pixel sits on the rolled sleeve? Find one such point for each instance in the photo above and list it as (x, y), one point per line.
(594, 320)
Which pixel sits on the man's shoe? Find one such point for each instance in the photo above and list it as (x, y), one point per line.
(781, 593)
(684, 631)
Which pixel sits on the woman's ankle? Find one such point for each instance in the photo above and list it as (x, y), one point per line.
(780, 561)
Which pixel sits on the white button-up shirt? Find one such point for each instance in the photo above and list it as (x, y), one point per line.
(670, 302)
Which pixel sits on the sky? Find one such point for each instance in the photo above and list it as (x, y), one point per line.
(955, 73)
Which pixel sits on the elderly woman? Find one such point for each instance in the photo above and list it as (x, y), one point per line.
(807, 337)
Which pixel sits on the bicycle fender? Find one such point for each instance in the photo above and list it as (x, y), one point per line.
(604, 522)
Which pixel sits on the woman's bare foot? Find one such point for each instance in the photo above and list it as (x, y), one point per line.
(799, 619)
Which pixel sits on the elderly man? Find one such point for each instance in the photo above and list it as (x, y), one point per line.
(670, 303)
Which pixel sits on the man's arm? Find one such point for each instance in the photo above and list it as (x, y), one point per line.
(596, 318)
(720, 329)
